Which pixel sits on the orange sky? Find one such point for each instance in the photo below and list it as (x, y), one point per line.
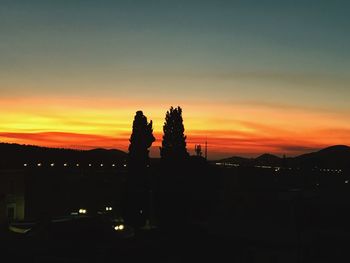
(241, 128)
(251, 76)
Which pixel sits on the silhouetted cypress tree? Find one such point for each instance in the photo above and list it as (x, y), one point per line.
(141, 139)
(137, 189)
(174, 141)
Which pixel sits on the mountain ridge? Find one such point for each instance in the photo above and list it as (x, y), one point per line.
(15, 155)
(336, 156)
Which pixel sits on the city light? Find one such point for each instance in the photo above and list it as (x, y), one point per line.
(52, 165)
(109, 208)
(82, 211)
(25, 165)
(39, 164)
(119, 227)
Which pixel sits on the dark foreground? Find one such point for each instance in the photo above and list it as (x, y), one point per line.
(180, 244)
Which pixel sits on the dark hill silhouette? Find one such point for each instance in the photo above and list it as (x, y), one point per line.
(265, 159)
(268, 159)
(337, 156)
(15, 155)
(238, 160)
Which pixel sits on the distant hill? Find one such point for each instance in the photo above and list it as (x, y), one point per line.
(332, 157)
(238, 160)
(268, 159)
(337, 156)
(16, 155)
(262, 160)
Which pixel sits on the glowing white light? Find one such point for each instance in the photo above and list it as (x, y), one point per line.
(90, 164)
(141, 211)
(82, 211)
(52, 165)
(25, 165)
(109, 208)
(65, 164)
(39, 164)
(347, 181)
(120, 227)
(113, 165)
(124, 165)
(101, 164)
(77, 165)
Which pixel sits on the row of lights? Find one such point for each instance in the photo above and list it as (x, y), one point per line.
(278, 168)
(331, 170)
(66, 164)
(83, 211)
(345, 182)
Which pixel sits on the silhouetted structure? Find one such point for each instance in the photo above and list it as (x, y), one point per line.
(174, 141)
(141, 139)
(198, 149)
(136, 203)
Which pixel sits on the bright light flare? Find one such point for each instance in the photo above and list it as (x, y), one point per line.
(119, 227)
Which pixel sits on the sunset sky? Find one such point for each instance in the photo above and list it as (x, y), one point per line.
(251, 76)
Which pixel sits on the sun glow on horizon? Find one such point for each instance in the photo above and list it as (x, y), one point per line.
(230, 129)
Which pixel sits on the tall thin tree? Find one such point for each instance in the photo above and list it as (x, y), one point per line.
(174, 140)
(136, 204)
(141, 139)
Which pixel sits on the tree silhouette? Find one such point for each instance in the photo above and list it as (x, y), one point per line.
(136, 196)
(141, 139)
(174, 141)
